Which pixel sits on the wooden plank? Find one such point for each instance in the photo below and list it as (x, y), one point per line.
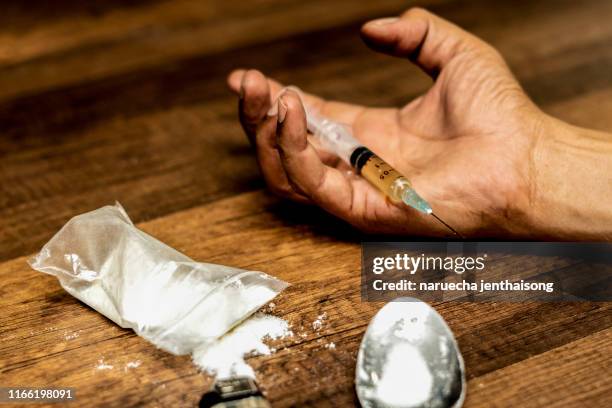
(574, 375)
(49, 338)
(106, 100)
(68, 49)
(149, 138)
(73, 50)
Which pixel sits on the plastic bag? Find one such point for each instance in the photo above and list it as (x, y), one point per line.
(138, 282)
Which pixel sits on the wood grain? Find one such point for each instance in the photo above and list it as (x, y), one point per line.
(78, 46)
(109, 139)
(126, 100)
(568, 376)
(40, 320)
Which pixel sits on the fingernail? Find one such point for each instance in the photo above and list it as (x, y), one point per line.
(382, 22)
(282, 110)
(273, 110)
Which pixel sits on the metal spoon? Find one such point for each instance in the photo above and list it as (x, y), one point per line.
(409, 358)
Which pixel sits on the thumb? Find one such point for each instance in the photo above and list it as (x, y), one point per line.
(426, 39)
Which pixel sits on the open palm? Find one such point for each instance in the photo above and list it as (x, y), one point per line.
(466, 144)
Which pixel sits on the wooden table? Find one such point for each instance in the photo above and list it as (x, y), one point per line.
(115, 100)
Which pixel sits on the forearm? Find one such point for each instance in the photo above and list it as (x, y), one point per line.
(571, 173)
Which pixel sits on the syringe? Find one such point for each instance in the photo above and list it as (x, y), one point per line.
(336, 138)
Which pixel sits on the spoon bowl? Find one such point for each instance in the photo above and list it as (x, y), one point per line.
(409, 358)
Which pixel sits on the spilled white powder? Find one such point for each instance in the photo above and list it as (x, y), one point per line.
(225, 357)
(132, 364)
(103, 366)
(318, 323)
(71, 336)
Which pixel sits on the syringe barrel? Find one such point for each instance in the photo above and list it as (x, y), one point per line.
(379, 173)
(331, 136)
(337, 138)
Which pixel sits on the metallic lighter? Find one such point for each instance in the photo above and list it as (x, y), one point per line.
(237, 392)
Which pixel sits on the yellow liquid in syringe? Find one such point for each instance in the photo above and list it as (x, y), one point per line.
(391, 183)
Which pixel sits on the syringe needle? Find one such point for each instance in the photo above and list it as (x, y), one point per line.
(446, 225)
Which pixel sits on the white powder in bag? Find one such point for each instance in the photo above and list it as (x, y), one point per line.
(140, 283)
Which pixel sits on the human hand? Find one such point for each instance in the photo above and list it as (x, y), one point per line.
(468, 145)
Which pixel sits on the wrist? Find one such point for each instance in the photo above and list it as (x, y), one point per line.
(570, 183)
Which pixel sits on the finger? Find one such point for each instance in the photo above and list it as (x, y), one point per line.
(254, 106)
(249, 85)
(269, 162)
(328, 187)
(426, 39)
(254, 101)
(338, 111)
(372, 122)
